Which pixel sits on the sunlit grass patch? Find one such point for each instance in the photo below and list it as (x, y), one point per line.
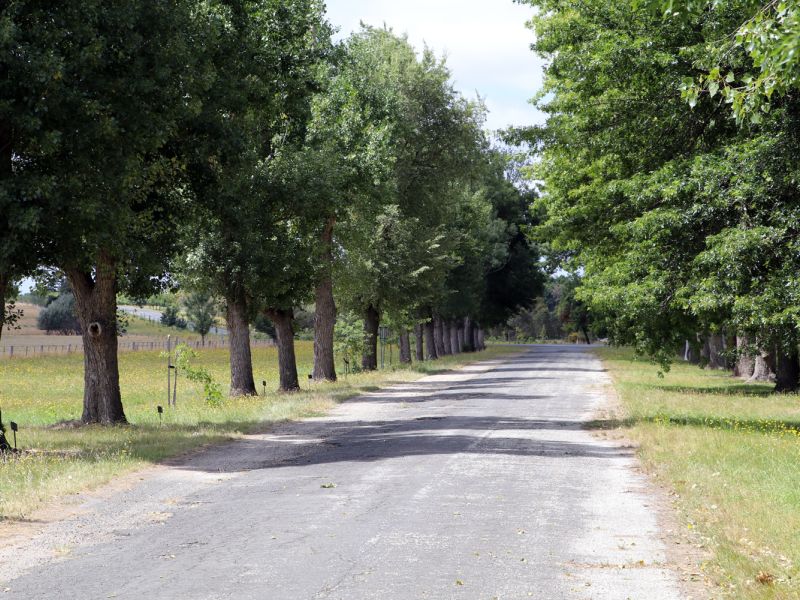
(731, 451)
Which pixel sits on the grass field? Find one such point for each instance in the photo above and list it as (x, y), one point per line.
(731, 451)
(40, 392)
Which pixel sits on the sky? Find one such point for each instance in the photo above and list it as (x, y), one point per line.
(485, 41)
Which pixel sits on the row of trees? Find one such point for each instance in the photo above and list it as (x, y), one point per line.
(670, 162)
(231, 146)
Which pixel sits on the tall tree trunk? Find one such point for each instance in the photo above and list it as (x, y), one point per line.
(430, 343)
(585, 333)
(745, 362)
(419, 350)
(242, 383)
(369, 360)
(454, 346)
(716, 346)
(284, 338)
(405, 347)
(461, 336)
(96, 305)
(325, 312)
(438, 334)
(763, 367)
(469, 338)
(4, 280)
(446, 346)
(6, 172)
(481, 340)
(787, 370)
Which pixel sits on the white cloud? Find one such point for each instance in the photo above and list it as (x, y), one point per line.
(486, 43)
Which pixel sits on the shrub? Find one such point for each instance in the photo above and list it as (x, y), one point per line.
(60, 316)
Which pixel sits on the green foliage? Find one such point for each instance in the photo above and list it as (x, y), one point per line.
(753, 62)
(246, 238)
(171, 318)
(212, 390)
(59, 316)
(681, 222)
(349, 339)
(200, 312)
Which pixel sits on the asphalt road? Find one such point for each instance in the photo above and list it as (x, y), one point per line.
(482, 484)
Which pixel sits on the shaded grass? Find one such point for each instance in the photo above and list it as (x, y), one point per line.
(731, 451)
(39, 393)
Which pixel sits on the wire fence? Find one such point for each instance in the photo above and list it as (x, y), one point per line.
(31, 350)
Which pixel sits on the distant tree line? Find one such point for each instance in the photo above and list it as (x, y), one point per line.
(233, 149)
(670, 164)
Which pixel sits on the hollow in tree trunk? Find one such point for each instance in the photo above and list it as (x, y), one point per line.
(325, 312)
(405, 347)
(438, 334)
(369, 359)
(787, 370)
(96, 305)
(430, 343)
(419, 350)
(242, 383)
(284, 338)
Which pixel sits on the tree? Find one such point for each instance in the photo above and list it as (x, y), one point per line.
(200, 312)
(667, 211)
(82, 77)
(263, 58)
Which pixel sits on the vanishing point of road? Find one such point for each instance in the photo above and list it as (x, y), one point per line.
(478, 484)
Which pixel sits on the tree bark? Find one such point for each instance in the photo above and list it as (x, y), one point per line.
(453, 331)
(469, 343)
(586, 337)
(716, 346)
(438, 334)
(96, 305)
(430, 343)
(481, 340)
(3, 288)
(446, 346)
(284, 338)
(369, 359)
(405, 347)
(420, 351)
(763, 367)
(325, 312)
(461, 336)
(745, 362)
(787, 370)
(242, 383)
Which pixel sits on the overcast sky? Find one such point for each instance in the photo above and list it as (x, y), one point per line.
(486, 43)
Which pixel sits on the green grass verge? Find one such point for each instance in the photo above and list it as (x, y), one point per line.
(40, 392)
(731, 451)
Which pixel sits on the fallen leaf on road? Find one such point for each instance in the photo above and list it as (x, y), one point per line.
(328, 486)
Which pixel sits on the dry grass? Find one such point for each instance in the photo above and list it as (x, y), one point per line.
(40, 392)
(731, 451)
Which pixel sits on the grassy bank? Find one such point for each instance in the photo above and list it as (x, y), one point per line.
(731, 451)
(39, 393)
